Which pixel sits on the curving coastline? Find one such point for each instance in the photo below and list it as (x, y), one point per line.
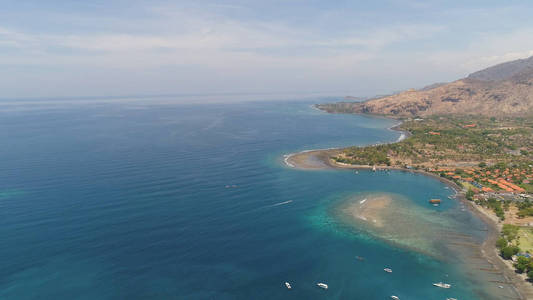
(321, 159)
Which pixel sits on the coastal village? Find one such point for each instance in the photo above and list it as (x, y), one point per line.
(504, 194)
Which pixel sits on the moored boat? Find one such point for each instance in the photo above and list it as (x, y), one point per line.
(388, 270)
(434, 201)
(442, 285)
(288, 285)
(395, 297)
(322, 285)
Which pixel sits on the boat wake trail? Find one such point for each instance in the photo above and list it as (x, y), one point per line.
(268, 206)
(281, 203)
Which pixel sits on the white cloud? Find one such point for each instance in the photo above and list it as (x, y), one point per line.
(487, 50)
(237, 50)
(198, 50)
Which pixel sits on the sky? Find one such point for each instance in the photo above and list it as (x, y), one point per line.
(58, 48)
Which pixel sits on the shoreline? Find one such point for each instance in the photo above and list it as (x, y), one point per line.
(320, 159)
(324, 154)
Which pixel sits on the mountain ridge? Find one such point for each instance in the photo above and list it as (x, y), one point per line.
(502, 90)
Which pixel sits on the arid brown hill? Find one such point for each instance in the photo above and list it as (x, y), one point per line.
(504, 89)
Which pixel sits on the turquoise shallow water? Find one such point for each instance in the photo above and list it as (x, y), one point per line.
(171, 201)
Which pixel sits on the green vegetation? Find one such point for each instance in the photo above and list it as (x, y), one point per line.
(506, 205)
(510, 232)
(446, 140)
(469, 195)
(501, 243)
(507, 242)
(522, 264)
(496, 206)
(525, 209)
(511, 237)
(494, 155)
(508, 251)
(373, 155)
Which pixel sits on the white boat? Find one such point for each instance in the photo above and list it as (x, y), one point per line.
(388, 270)
(362, 201)
(322, 285)
(288, 285)
(395, 297)
(442, 285)
(451, 299)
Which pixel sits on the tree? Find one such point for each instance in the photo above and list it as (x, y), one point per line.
(521, 264)
(525, 212)
(508, 251)
(530, 265)
(501, 243)
(496, 206)
(470, 195)
(510, 231)
(530, 275)
(482, 164)
(506, 205)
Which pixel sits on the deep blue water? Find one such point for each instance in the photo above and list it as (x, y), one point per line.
(130, 201)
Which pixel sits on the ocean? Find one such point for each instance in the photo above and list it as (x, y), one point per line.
(163, 200)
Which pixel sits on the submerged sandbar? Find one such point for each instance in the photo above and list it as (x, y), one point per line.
(400, 221)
